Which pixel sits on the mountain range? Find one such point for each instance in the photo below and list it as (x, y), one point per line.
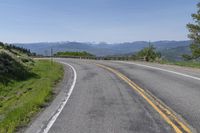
(105, 49)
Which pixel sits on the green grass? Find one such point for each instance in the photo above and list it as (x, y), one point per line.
(21, 100)
(192, 64)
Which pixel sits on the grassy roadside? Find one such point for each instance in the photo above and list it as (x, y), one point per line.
(192, 64)
(20, 100)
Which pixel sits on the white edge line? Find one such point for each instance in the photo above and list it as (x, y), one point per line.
(62, 105)
(169, 71)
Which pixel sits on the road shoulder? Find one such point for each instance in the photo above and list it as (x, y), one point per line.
(42, 119)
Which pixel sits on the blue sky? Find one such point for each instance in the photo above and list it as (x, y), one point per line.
(94, 20)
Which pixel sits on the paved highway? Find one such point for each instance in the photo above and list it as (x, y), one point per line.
(123, 97)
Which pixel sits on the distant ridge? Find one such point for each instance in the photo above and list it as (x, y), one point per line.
(100, 49)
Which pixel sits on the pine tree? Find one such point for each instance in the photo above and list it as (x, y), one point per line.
(194, 35)
(149, 54)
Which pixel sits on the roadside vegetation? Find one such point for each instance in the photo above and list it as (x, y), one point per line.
(148, 54)
(194, 29)
(15, 50)
(192, 60)
(73, 54)
(26, 85)
(192, 64)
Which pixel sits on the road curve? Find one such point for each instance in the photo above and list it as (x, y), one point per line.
(101, 102)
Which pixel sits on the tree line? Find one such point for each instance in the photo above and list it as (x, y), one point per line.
(11, 47)
(74, 54)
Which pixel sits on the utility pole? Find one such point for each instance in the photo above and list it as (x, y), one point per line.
(51, 56)
(149, 43)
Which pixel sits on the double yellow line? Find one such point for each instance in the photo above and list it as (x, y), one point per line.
(167, 114)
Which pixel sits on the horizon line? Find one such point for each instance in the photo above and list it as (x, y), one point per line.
(93, 42)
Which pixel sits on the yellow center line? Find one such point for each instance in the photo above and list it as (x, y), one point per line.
(156, 105)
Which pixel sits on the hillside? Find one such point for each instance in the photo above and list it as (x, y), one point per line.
(26, 85)
(175, 54)
(14, 63)
(101, 49)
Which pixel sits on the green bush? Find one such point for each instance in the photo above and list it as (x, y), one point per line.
(149, 54)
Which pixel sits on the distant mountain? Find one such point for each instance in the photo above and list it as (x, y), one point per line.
(101, 49)
(175, 54)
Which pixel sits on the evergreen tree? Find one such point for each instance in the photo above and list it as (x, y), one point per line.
(194, 35)
(149, 53)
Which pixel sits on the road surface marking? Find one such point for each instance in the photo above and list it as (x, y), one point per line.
(177, 124)
(62, 105)
(164, 70)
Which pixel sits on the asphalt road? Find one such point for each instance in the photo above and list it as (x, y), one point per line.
(101, 102)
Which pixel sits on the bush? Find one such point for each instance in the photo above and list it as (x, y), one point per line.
(149, 54)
